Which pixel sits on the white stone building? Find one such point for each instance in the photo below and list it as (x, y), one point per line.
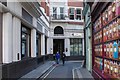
(66, 27)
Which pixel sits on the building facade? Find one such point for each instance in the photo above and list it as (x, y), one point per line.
(24, 36)
(88, 35)
(66, 27)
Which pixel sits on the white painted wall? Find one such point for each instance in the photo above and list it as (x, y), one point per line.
(7, 38)
(15, 7)
(58, 5)
(16, 39)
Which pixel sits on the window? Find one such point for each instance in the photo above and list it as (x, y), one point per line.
(76, 47)
(38, 44)
(54, 12)
(45, 45)
(62, 13)
(71, 13)
(58, 30)
(25, 42)
(78, 14)
(27, 16)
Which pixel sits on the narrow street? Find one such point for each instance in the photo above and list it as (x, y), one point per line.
(36, 34)
(63, 72)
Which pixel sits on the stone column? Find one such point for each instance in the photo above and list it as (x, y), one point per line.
(42, 44)
(7, 38)
(83, 46)
(67, 45)
(33, 43)
(33, 38)
(51, 46)
(16, 39)
(48, 45)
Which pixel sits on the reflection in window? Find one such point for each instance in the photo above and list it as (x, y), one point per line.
(76, 47)
(71, 13)
(38, 45)
(78, 14)
(25, 42)
(24, 45)
(62, 13)
(55, 12)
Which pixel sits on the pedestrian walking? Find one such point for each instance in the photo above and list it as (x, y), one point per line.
(63, 58)
(57, 56)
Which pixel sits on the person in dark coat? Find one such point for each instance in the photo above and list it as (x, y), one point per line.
(63, 58)
(57, 57)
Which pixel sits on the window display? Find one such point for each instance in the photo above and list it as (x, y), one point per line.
(25, 45)
(76, 47)
(106, 45)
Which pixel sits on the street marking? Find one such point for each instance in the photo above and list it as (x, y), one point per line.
(49, 72)
(76, 61)
(73, 73)
(46, 69)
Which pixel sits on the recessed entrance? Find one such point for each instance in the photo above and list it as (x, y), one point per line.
(58, 45)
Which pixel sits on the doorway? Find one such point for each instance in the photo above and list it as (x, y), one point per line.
(58, 45)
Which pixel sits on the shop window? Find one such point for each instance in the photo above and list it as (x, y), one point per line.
(71, 13)
(38, 44)
(78, 14)
(54, 12)
(76, 47)
(45, 45)
(25, 36)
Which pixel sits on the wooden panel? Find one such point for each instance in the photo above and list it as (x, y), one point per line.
(0, 37)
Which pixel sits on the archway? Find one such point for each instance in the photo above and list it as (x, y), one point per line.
(58, 30)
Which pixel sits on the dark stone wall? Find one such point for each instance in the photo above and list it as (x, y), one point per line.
(20, 68)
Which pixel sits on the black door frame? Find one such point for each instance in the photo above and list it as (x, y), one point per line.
(59, 43)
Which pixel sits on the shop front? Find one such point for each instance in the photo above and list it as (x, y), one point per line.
(25, 45)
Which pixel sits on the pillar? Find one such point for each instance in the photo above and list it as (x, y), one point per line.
(42, 44)
(67, 45)
(83, 46)
(33, 43)
(16, 39)
(7, 38)
(51, 46)
(48, 45)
